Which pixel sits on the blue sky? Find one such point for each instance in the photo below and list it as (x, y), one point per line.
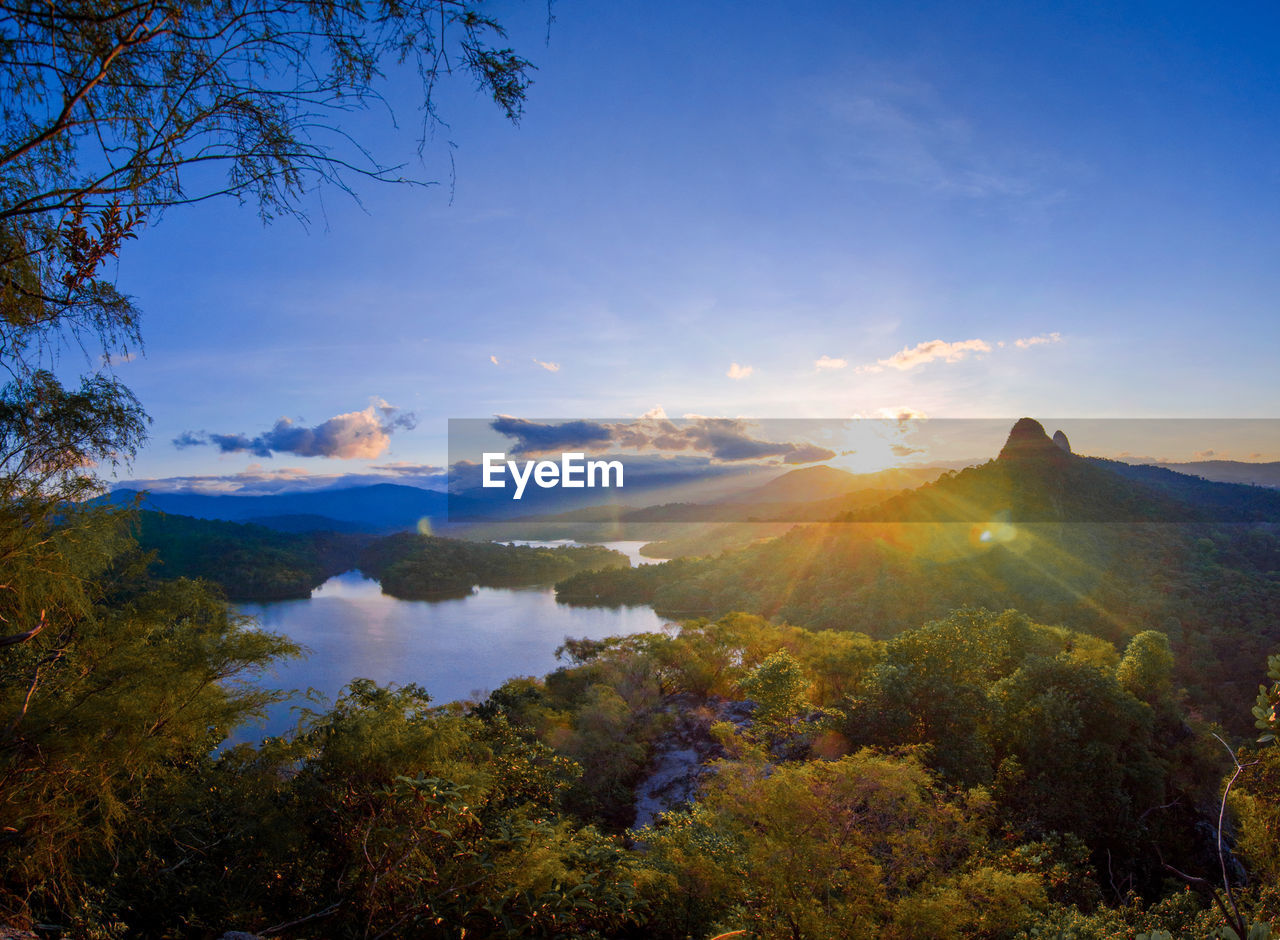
(699, 185)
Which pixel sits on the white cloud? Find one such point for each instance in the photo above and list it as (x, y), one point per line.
(549, 366)
(826, 363)
(1037, 340)
(911, 356)
(739, 372)
(255, 480)
(354, 434)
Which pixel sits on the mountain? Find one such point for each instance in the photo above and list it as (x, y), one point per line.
(1094, 546)
(1036, 479)
(1220, 501)
(383, 507)
(813, 484)
(805, 484)
(250, 562)
(1228, 471)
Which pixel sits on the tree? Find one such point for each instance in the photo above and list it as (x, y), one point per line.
(1146, 672)
(778, 686)
(862, 846)
(114, 110)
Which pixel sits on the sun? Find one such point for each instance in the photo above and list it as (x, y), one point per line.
(870, 455)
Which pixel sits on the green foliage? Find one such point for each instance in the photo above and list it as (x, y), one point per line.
(416, 567)
(1075, 753)
(933, 687)
(1268, 701)
(862, 846)
(1114, 580)
(1146, 671)
(385, 815)
(249, 562)
(1182, 915)
(122, 699)
(50, 434)
(778, 686)
(1256, 805)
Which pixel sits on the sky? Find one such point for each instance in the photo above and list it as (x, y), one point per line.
(749, 210)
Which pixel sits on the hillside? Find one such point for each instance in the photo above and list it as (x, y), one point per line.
(1061, 537)
(419, 567)
(1034, 480)
(249, 562)
(383, 507)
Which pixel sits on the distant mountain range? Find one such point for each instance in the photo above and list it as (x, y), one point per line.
(383, 507)
(1104, 490)
(1228, 471)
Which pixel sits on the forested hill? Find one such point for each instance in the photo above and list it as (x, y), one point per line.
(1035, 480)
(249, 562)
(417, 567)
(253, 563)
(995, 536)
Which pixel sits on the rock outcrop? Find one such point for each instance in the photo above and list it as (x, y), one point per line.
(680, 761)
(1061, 440)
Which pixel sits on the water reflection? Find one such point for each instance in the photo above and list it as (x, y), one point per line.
(630, 548)
(456, 648)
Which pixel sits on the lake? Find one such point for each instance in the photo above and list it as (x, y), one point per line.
(631, 548)
(456, 648)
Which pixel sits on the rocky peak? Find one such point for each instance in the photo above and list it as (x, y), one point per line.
(1028, 440)
(1061, 440)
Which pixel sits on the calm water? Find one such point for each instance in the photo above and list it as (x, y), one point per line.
(460, 648)
(631, 548)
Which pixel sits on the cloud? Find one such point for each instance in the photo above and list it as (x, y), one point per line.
(535, 438)
(909, 357)
(826, 363)
(257, 481)
(549, 366)
(661, 478)
(355, 434)
(725, 439)
(1037, 340)
(739, 372)
(494, 360)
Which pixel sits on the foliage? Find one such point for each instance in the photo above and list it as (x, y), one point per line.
(383, 815)
(778, 687)
(862, 846)
(249, 562)
(126, 696)
(416, 567)
(1218, 606)
(1256, 804)
(115, 111)
(1268, 701)
(1146, 672)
